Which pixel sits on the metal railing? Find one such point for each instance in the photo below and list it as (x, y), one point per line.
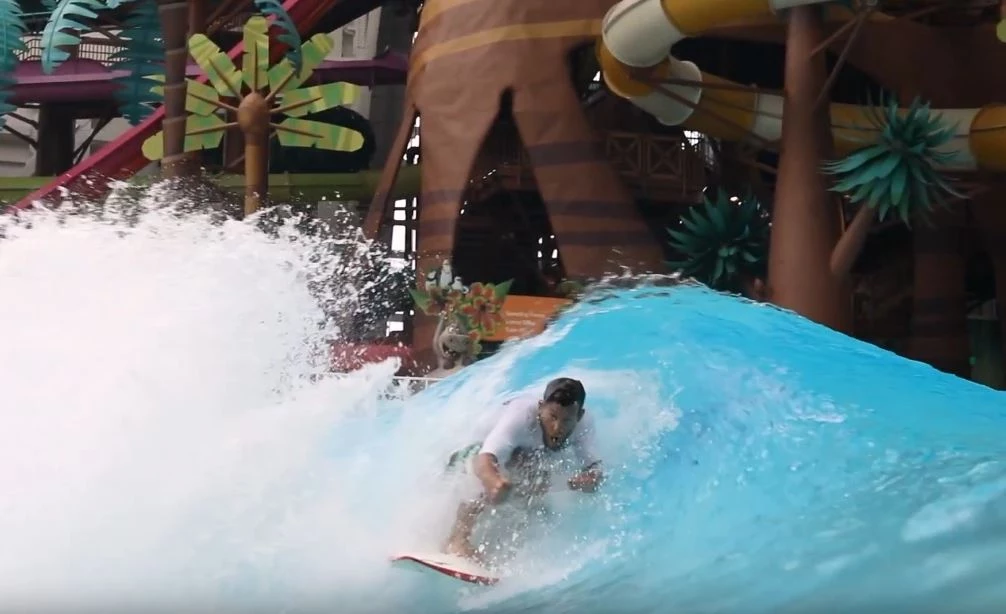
(403, 387)
(94, 46)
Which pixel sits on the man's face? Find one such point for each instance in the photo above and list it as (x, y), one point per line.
(557, 423)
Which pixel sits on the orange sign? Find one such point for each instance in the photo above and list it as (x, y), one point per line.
(525, 316)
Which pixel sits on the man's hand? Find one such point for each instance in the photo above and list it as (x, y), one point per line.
(586, 481)
(498, 489)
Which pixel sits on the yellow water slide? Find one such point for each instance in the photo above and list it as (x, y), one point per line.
(636, 39)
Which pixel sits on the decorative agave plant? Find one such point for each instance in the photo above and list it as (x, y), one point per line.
(722, 241)
(898, 173)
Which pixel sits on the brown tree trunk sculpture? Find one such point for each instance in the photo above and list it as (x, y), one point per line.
(939, 301)
(466, 55)
(174, 15)
(253, 118)
(805, 220)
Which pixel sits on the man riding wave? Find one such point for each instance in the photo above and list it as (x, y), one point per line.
(515, 457)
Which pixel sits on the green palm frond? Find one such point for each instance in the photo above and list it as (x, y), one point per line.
(317, 98)
(283, 76)
(69, 18)
(217, 65)
(899, 173)
(289, 35)
(141, 58)
(722, 241)
(11, 41)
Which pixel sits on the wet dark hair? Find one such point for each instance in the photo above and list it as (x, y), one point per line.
(565, 391)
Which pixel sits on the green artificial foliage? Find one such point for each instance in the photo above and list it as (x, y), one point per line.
(289, 35)
(142, 57)
(722, 242)
(899, 173)
(69, 19)
(11, 32)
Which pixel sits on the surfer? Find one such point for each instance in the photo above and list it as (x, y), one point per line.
(513, 460)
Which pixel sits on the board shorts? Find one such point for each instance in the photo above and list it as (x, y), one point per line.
(461, 460)
(461, 473)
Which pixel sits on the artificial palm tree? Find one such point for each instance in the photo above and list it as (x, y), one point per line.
(252, 96)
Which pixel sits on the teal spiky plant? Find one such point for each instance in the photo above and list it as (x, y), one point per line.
(11, 42)
(141, 57)
(722, 241)
(899, 173)
(288, 33)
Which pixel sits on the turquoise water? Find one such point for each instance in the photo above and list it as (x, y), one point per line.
(166, 445)
(761, 463)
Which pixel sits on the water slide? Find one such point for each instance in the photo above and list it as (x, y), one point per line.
(123, 157)
(637, 36)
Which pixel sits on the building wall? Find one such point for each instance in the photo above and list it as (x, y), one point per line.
(357, 40)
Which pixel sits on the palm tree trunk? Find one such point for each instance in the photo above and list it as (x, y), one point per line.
(198, 10)
(805, 222)
(174, 16)
(850, 245)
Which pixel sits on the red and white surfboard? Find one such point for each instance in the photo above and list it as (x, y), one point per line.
(450, 565)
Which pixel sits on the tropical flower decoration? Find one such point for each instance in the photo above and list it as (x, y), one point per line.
(477, 309)
(722, 241)
(898, 173)
(482, 308)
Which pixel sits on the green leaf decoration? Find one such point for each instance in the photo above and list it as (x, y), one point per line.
(317, 98)
(255, 65)
(197, 96)
(898, 174)
(722, 242)
(283, 76)
(288, 33)
(220, 70)
(141, 58)
(502, 290)
(12, 30)
(201, 132)
(69, 18)
(295, 132)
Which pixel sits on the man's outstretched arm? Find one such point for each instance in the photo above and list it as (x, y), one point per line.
(587, 479)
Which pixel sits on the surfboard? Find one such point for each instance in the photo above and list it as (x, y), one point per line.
(450, 565)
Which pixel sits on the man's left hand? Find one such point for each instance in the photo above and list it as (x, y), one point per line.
(586, 481)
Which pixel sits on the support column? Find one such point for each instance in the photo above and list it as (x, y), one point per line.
(805, 218)
(56, 139)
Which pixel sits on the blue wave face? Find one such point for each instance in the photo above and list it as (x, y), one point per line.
(757, 462)
(169, 444)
